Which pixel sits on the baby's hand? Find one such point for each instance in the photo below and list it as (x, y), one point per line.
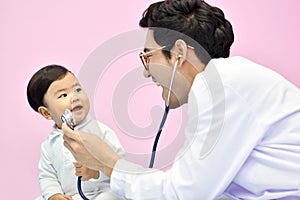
(60, 197)
(84, 172)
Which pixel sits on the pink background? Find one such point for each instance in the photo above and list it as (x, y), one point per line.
(35, 33)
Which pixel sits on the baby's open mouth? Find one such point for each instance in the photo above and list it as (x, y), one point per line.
(76, 108)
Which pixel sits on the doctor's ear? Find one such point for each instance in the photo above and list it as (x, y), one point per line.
(44, 112)
(181, 48)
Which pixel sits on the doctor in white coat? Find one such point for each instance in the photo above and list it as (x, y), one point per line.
(243, 129)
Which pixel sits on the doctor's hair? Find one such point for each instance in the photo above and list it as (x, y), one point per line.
(193, 19)
(41, 81)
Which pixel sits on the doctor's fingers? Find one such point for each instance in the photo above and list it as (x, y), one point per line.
(76, 148)
(69, 146)
(77, 164)
(72, 146)
(78, 173)
(69, 132)
(71, 139)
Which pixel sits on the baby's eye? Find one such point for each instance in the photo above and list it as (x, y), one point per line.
(62, 95)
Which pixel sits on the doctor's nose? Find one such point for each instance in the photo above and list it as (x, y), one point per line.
(147, 73)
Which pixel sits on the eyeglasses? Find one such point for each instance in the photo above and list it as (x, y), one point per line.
(145, 57)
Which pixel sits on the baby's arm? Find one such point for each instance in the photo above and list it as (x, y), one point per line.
(60, 197)
(48, 179)
(84, 172)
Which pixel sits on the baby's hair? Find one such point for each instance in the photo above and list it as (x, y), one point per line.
(40, 82)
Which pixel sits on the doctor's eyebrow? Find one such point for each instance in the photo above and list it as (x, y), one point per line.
(146, 50)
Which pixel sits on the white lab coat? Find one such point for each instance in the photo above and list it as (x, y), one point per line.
(57, 172)
(242, 140)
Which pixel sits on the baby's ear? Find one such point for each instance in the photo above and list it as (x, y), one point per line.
(44, 112)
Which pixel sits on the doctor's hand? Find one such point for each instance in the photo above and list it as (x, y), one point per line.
(90, 150)
(85, 173)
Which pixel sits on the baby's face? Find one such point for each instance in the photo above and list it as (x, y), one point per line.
(65, 94)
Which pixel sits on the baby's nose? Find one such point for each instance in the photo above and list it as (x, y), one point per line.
(74, 97)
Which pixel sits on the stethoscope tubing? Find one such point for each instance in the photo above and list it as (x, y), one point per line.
(162, 123)
(80, 189)
(166, 112)
(65, 118)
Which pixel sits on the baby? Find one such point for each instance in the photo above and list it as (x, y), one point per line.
(51, 91)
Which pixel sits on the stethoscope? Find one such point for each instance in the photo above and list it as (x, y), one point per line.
(67, 118)
(164, 118)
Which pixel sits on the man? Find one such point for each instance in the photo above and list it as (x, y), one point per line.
(242, 134)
